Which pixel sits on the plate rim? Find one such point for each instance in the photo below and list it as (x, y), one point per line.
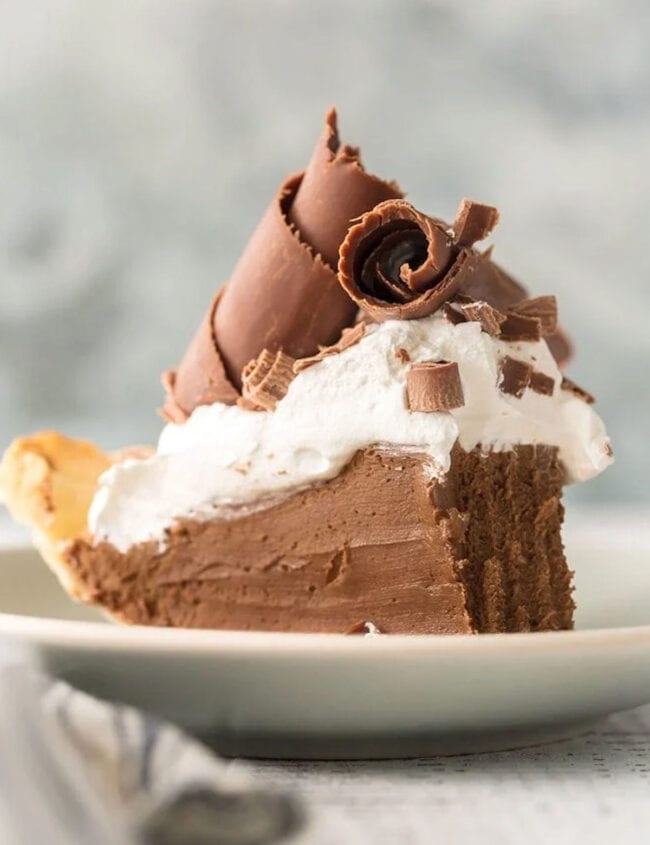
(86, 635)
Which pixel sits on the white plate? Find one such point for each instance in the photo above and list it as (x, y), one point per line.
(314, 695)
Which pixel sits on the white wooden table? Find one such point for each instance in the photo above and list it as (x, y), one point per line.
(592, 789)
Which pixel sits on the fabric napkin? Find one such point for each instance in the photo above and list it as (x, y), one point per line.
(77, 770)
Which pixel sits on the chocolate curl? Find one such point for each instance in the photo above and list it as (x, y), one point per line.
(514, 376)
(434, 386)
(283, 293)
(399, 264)
(474, 222)
(543, 308)
(516, 327)
(480, 312)
(521, 324)
(265, 380)
(201, 377)
(335, 190)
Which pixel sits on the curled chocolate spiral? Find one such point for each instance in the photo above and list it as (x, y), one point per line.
(398, 264)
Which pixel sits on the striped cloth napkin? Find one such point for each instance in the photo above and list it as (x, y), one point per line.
(78, 771)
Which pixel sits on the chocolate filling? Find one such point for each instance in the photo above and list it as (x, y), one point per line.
(382, 541)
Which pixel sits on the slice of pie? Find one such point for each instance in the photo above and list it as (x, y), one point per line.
(369, 431)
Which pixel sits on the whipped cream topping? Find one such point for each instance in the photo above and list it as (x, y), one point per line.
(224, 457)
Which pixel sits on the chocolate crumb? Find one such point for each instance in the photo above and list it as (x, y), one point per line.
(514, 376)
(402, 355)
(266, 379)
(367, 628)
(578, 391)
(544, 308)
(434, 386)
(490, 318)
(541, 383)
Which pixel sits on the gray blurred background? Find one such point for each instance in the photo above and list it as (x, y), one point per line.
(140, 140)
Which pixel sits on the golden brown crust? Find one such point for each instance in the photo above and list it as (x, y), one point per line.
(48, 481)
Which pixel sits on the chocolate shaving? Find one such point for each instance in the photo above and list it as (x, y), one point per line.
(514, 376)
(517, 327)
(481, 312)
(544, 308)
(402, 355)
(541, 383)
(453, 313)
(266, 379)
(578, 391)
(434, 386)
(473, 222)
(348, 338)
(284, 292)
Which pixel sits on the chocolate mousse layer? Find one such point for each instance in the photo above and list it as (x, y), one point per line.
(381, 543)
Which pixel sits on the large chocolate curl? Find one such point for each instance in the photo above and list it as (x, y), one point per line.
(399, 264)
(284, 292)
